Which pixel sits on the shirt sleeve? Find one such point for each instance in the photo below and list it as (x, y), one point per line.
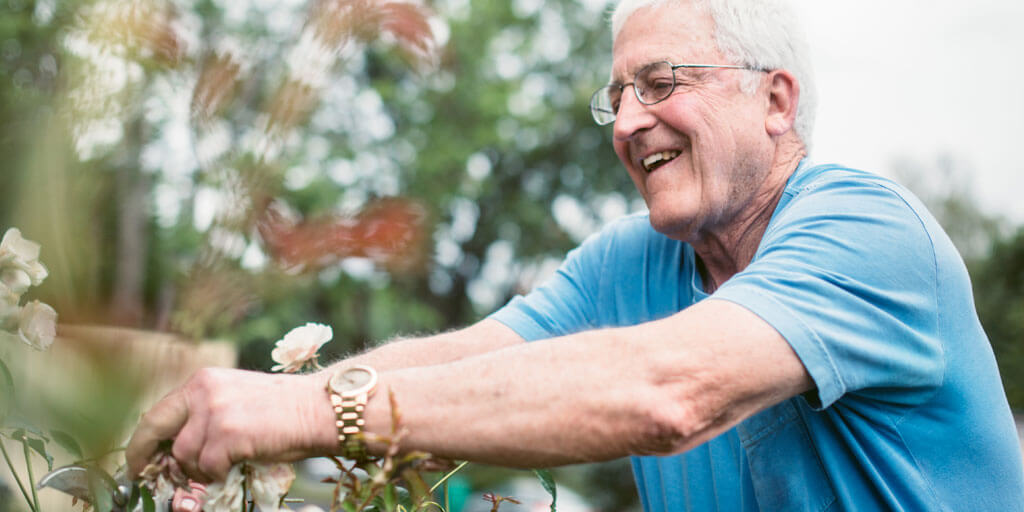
(566, 302)
(847, 274)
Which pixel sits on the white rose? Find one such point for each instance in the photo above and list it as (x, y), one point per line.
(37, 325)
(269, 483)
(14, 247)
(225, 496)
(35, 270)
(300, 345)
(16, 280)
(19, 254)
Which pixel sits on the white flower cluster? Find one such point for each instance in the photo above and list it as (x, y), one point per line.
(35, 323)
(268, 482)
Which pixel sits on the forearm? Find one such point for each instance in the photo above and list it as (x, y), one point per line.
(533, 405)
(484, 336)
(655, 388)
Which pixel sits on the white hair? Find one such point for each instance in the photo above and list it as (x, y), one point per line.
(762, 34)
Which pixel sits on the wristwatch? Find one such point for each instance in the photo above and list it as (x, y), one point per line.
(350, 388)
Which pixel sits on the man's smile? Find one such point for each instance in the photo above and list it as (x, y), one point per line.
(655, 160)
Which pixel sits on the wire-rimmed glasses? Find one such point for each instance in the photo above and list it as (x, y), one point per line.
(652, 84)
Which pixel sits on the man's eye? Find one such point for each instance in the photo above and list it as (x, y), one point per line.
(656, 89)
(661, 84)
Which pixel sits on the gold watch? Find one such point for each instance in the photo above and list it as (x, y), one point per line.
(350, 388)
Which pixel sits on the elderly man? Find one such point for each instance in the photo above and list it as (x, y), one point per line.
(772, 335)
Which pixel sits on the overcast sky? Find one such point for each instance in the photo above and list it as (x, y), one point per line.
(912, 79)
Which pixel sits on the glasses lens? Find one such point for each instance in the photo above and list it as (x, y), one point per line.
(655, 82)
(604, 103)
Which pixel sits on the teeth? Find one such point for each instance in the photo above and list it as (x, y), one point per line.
(658, 157)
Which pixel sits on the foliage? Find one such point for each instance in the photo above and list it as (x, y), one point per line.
(515, 191)
(999, 294)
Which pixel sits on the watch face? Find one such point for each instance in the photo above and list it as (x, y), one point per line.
(354, 380)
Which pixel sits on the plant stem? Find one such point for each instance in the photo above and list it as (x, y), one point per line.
(245, 491)
(446, 477)
(31, 478)
(16, 479)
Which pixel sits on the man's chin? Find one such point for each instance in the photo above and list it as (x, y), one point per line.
(672, 224)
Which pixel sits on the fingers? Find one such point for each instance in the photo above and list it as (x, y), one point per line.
(189, 443)
(189, 500)
(223, 416)
(204, 446)
(216, 462)
(162, 422)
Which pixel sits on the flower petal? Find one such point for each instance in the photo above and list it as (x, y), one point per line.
(14, 247)
(37, 325)
(300, 345)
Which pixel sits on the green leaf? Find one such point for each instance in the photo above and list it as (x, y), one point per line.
(548, 482)
(24, 427)
(404, 497)
(148, 504)
(37, 444)
(39, 447)
(68, 443)
(100, 490)
(135, 498)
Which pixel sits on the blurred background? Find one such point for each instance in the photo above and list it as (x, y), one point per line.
(222, 171)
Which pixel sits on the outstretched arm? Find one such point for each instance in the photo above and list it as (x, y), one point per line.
(656, 388)
(274, 416)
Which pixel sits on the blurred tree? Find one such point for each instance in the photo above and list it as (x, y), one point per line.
(497, 143)
(999, 294)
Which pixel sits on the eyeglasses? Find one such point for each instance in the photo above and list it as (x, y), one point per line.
(652, 84)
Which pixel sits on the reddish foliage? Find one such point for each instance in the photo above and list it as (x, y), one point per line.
(217, 81)
(336, 21)
(389, 231)
(408, 23)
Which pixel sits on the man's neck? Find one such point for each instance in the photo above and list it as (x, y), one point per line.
(725, 252)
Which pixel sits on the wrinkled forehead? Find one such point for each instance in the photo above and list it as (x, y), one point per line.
(677, 32)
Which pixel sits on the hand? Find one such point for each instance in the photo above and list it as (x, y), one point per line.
(222, 416)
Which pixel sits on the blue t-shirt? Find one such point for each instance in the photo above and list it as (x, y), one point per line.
(908, 411)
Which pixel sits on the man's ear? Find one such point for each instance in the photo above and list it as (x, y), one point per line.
(783, 98)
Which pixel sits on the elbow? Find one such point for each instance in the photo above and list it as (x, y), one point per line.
(668, 427)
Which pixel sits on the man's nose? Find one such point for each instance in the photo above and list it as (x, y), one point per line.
(632, 116)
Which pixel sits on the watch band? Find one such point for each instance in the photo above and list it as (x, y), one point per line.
(350, 389)
(349, 411)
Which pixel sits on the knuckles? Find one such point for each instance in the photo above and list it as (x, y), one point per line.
(227, 421)
(207, 380)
